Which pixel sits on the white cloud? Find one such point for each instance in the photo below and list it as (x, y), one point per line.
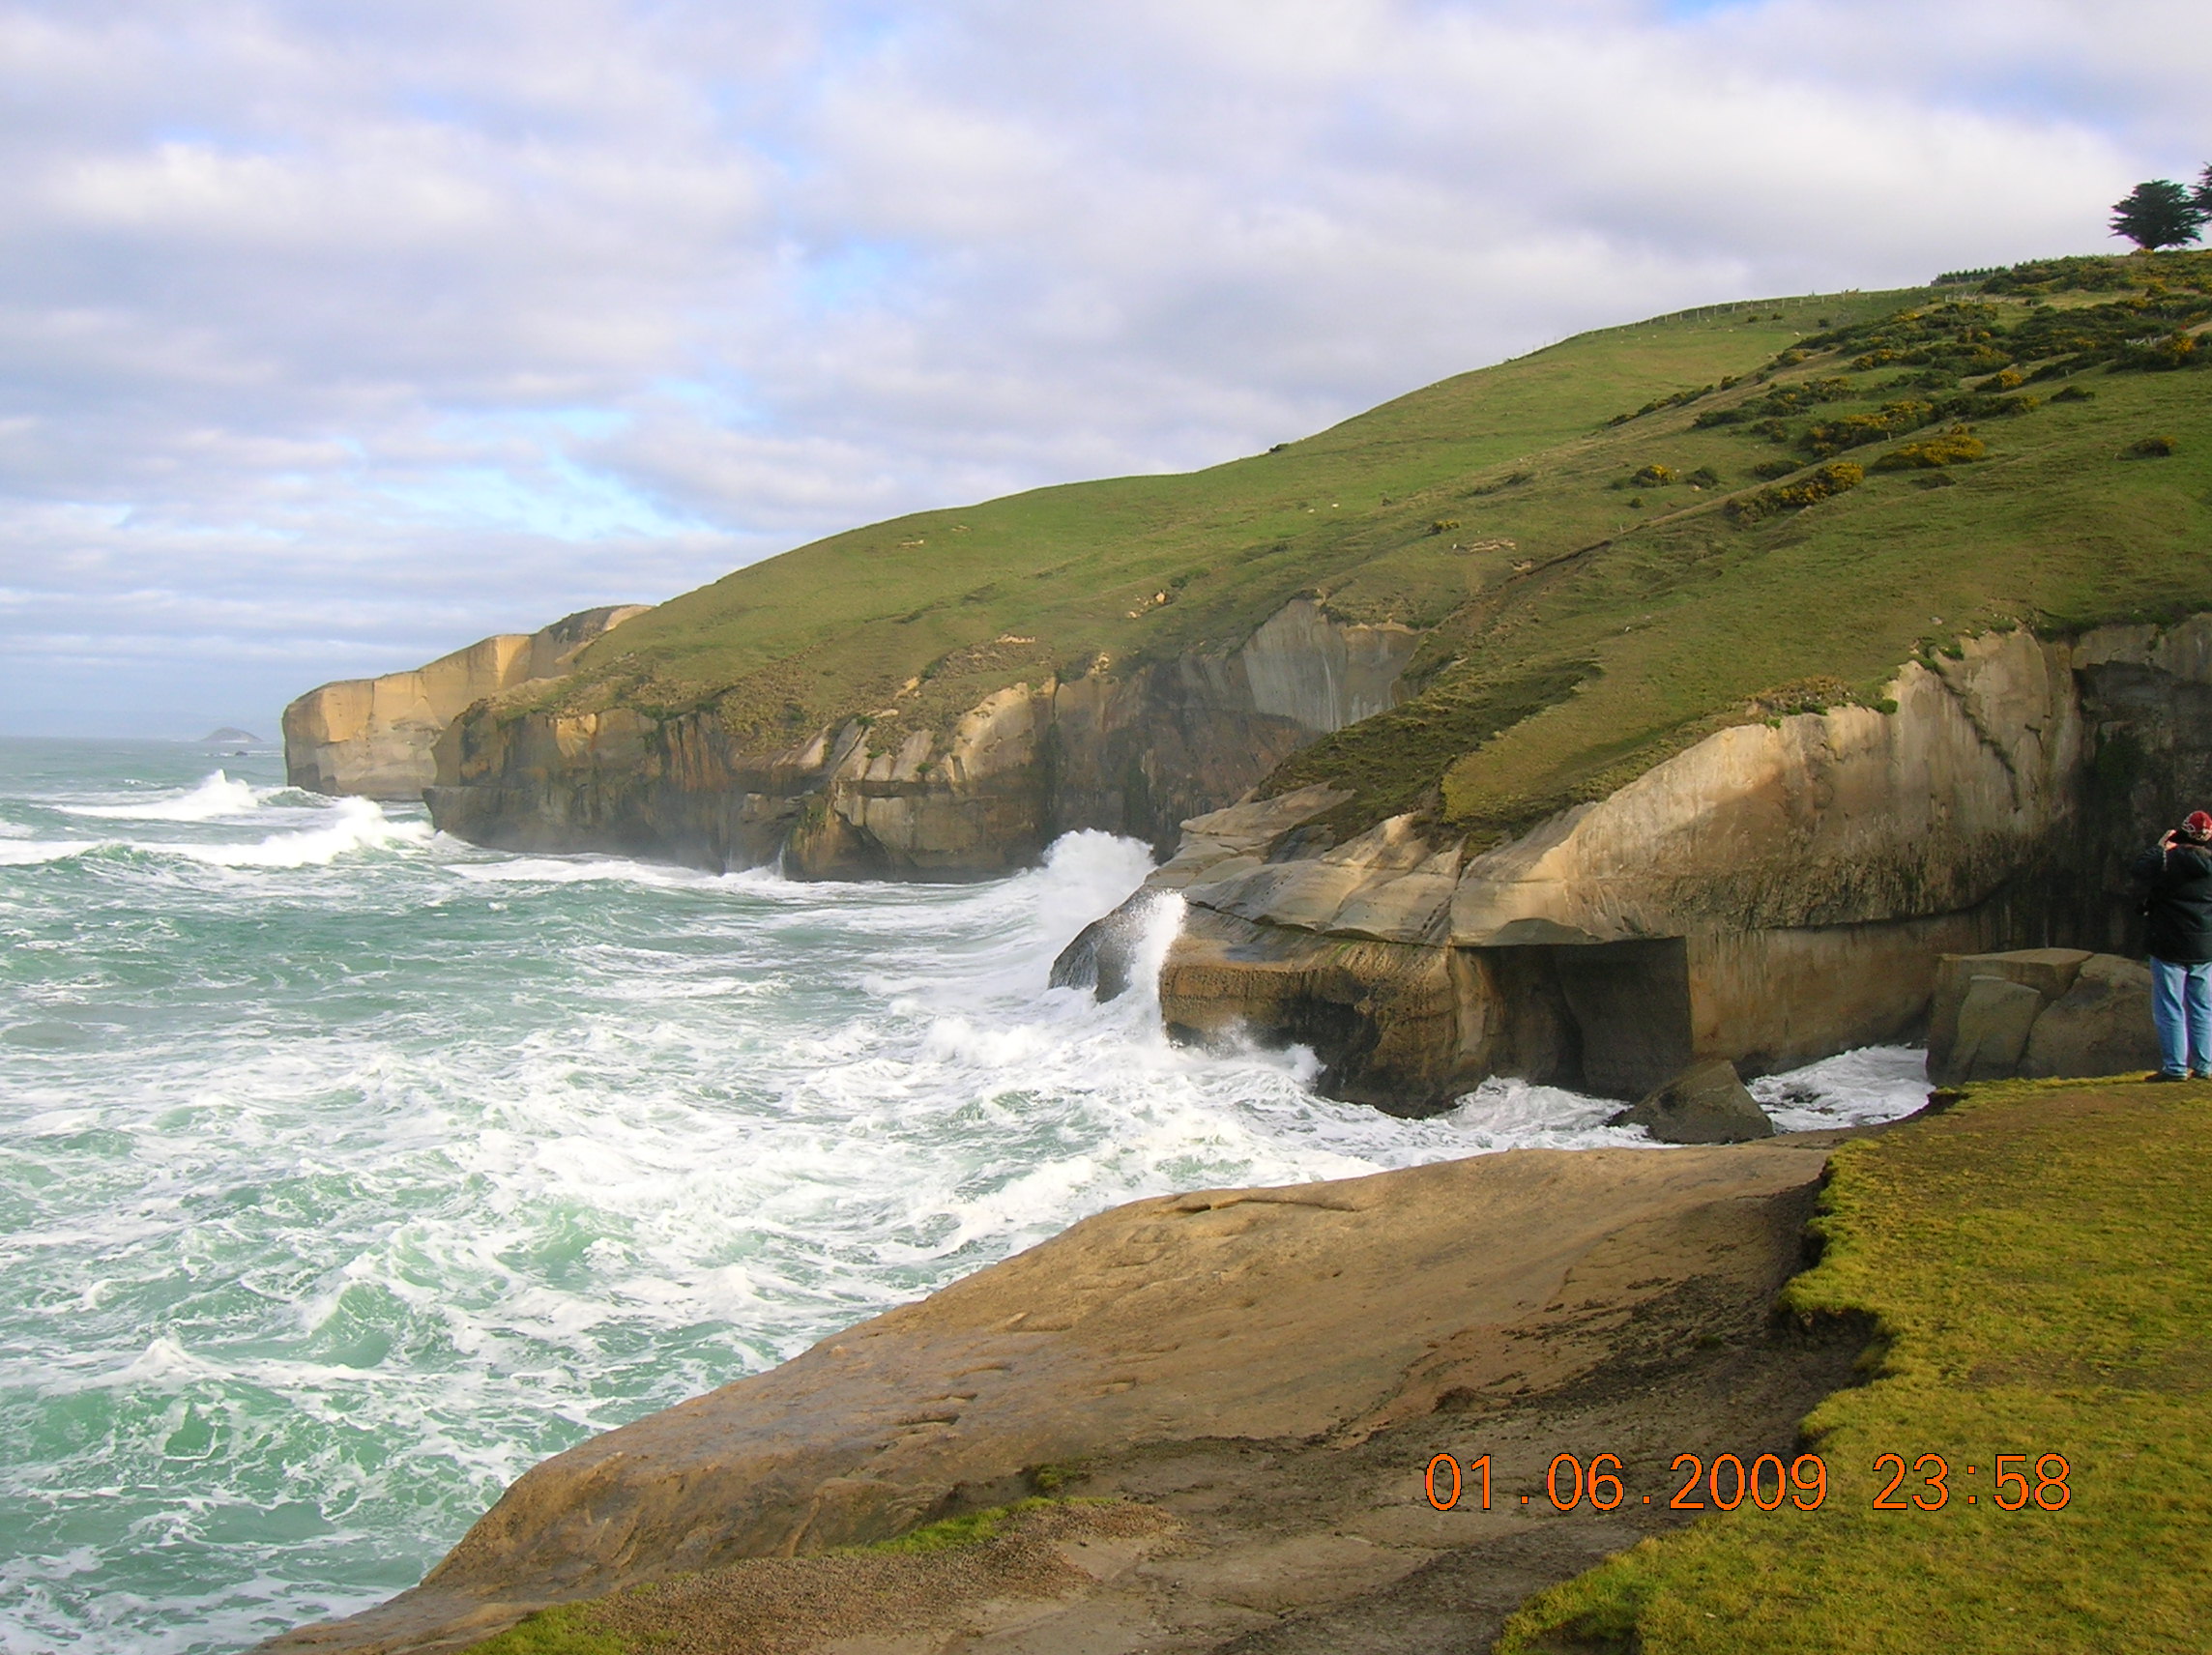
(336, 335)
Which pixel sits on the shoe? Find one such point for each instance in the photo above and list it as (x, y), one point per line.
(2171, 1075)
(2200, 1074)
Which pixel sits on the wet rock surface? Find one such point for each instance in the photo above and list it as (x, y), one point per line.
(1706, 1103)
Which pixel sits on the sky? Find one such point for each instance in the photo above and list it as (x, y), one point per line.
(334, 336)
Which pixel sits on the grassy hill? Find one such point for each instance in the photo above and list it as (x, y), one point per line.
(1618, 542)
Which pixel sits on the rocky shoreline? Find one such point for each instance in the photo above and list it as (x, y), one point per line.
(1267, 1370)
(1778, 892)
(1480, 780)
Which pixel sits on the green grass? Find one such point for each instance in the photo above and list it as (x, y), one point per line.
(564, 1629)
(2038, 1263)
(838, 627)
(952, 1532)
(1583, 585)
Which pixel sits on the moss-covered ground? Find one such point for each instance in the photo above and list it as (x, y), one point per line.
(1618, 542)
(2037, 1263)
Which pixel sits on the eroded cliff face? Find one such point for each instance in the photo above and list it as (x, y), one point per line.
(1129, 752)
(1778, 893)
(375, 735)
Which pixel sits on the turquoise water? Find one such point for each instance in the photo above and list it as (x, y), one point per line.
(346, 1170)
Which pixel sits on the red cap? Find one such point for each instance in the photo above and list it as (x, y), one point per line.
(2198, 823)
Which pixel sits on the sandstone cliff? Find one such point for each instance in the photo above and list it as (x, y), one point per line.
(375, 735)
(1778, 891)
(1132, 750)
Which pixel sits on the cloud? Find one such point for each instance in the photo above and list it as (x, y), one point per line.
(336, 335)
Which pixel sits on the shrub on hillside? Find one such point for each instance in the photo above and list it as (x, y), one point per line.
(1768, 470)
(1512, 481)
(1831, 479)
(1907, 332)
(1655, 475)
(1833, 436)
(2160, 355)
(1972, 356)
(2153, 447)
(1959, 446)
(1674, 401)
(1973, 405)
(2074, 393)
(1784, 400)
(1705, 477)
(2150, 330)
(2081, 274)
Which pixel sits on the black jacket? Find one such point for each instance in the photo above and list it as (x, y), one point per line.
(2180, 907)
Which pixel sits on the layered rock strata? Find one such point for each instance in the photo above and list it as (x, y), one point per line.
(1132, 753)
(1256, 1327)
(377, 737)
(1780, 891)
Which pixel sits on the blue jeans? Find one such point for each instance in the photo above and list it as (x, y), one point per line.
(2181, 1006)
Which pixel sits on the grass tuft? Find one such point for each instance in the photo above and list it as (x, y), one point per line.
(952, 1532)
(567, 1629)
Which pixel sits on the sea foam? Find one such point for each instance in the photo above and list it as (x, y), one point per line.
(217, 799)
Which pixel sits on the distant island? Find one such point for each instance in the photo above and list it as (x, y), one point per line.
(229, 734)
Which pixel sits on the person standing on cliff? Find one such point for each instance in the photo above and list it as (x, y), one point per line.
(2178, 869)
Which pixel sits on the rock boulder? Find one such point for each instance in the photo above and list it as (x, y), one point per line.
(1995, 1017)
(2039, 1013)
(2101, 1025)
(1706, 1103)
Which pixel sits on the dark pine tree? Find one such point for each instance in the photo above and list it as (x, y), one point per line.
(2159, 214)
(2201, 196)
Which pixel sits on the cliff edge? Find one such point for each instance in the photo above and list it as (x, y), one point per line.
(930, 785)
(376, 737)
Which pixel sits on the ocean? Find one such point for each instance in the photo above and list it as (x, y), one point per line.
(347, 1170)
